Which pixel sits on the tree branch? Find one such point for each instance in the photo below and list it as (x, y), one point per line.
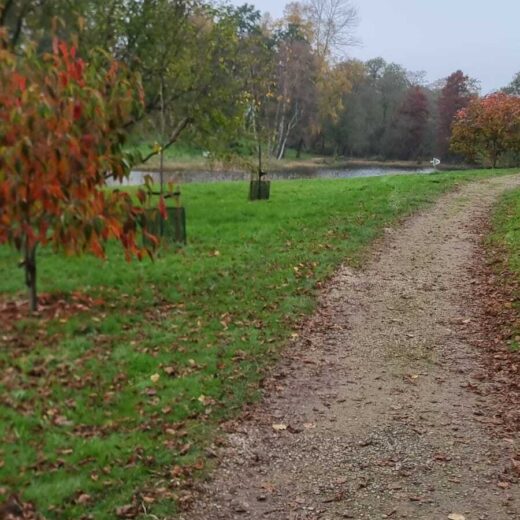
(173, 137)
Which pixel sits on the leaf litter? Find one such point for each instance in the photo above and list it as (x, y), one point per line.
(388, 394)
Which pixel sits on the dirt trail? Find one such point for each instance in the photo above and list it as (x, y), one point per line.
(375, 393)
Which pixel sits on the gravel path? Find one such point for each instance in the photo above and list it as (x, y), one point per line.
(371, 413)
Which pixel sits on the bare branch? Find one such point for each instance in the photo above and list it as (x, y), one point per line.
(334, 22)
(173, 137)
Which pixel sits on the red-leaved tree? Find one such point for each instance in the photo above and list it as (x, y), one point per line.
(487, 128)
(412, 124)
(61, 135)
(458, 91)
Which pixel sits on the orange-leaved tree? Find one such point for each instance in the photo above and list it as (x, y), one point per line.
(487, 128)
(61, 135)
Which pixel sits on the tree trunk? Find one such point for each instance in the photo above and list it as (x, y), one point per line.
(299, 148)
(260, 172)
(281, 151)
(30, 276)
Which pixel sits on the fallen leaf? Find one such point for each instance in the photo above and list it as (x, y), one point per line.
(199, 465)
(170, 370)
(155, 378)
(184, 449)
(205, 400)
(83, 499)
(442, 457)
(61, 420)
(127, 511)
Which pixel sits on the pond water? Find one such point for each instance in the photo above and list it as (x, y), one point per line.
(137, 177)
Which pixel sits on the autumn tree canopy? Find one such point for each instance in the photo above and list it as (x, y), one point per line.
(488, 128)
(61, 133)
(211, 71)
(457, 92)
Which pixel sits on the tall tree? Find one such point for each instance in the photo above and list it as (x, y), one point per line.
(341, 111)
(260, 90)
(513, 87)
(456, 94)
(189, 56)
(188, 53)
(333, 23)
(296, 71)
(411, 124)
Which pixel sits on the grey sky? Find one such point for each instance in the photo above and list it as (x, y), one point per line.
(480, 37)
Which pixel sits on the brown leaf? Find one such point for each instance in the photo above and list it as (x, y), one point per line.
(61, 420)
(127, 511)
(442, 457)
(184, 449)
(83, 499)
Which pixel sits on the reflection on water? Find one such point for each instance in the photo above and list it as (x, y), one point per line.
(137, 177)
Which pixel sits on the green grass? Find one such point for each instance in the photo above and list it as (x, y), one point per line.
(182, 156)
(506, 228)
(81, 410)
(505, 242)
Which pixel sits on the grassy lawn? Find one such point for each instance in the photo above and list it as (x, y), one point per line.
(184, 158)
(505, 241)
(115, 403)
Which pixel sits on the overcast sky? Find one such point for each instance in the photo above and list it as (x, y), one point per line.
(480, 37)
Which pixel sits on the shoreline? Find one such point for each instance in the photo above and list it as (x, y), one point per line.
(293, 166)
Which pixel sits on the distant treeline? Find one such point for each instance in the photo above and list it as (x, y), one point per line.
(228, 80)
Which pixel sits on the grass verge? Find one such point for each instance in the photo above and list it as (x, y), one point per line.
(504, 246)
(112, 405)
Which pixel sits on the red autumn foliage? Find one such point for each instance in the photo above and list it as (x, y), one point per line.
(61, 134)
(455, 95)
(487, 128)
(413, 115)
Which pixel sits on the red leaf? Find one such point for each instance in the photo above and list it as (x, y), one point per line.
(162, 208)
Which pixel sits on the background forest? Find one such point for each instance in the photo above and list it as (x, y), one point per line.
(226, 79)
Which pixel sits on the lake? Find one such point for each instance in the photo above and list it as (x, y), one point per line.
(137, 177)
